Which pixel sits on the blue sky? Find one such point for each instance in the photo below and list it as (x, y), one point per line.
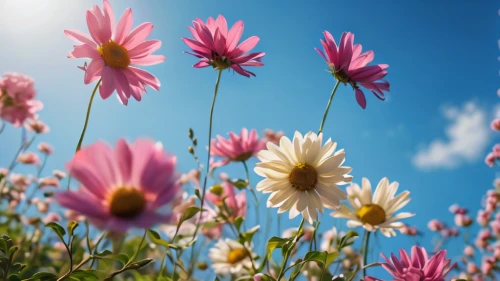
(443, 74)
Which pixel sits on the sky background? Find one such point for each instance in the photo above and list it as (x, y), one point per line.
(430, 135)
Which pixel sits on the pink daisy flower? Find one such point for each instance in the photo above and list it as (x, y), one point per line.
(417, 267)
(123, 187)
(114, 51)
(17, 99)
(225, 198)
(37, 126)
(45, 148)
(218, 47)
(349, 66)
(29, 158)
(236, 148)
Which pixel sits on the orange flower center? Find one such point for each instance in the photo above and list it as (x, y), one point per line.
(236, 256)
(127, 202)
(303, 177)
(371, 214)
(114, 55)
(243, 157)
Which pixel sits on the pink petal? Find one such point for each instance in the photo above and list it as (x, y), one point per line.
(240, 70)
(84, 51)
(144, 49)
(108, 13)
(95, 31)
(204, 34)
(93, 70)
(222, 24)
(124, 26)
(356, 51)
(196, 55)
(149, 60)
(122, 85)
(146, 78)
(360, 98)
(81, 203)
(138, 35)
(194, 33)
(345, 52)
(219, 42)
(80, 37)
(331, 49)
(201, 64)
(246, 58)
(136, 86)
(322, 54)
(234, 36)
(362, 60)
(197, 47)
(108, 83)
(124, 158)
(245, 46)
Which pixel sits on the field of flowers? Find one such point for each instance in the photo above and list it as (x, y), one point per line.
(123, 211)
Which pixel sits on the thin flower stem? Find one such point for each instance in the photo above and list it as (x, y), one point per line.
(137, 251)
(256, 201)
(96, 246)
(287, 254)
(32, 194)
(208, 154)
(79, 145)
(366, 240)
(328, 106)
(76, 268)
(2, 127)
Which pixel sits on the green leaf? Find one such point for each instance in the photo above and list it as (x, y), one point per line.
(156, 238)
(197, 193)
(316, 256)
(276, 243)
(139, 264)
(237, 222)
(12, 251)
(14, 277)
(43, 276)
(239, 183)
(72, 225)
(5, 243)
(247, 236)
(3, 246)
(122, 258)
(104, 253)
(87, 275)
(189, 213)
(348, 239)
(18, 267)
(59, 230)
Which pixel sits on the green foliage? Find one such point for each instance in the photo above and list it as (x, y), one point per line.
(347, 240)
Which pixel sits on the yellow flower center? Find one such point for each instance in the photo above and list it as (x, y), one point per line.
(7, 100)
(371, 214)
(114, 55)
(127, 202)
(236, 255)
(303, 177)
(243, 157)
(220, 63)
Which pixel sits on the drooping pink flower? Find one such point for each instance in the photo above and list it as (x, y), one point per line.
(487, 265)
(59, 174)
(218, 47)
(236, 148)
(469, 251)
(73, 216)
(232, 205)
(418, 266)
(51, 217)
(45, 182)
(45, 148)
(115, 52)
(462, 220)
(456, 209)
(37, 126)
(408, 230)
(435, 225)
(17, 99)
(472, 268)
(495, 124)
(272, 136)
(483, 217)
(41, 206)
(19, 181)
(493, 156)
(349, 66)
(123, 187)
(29, 158)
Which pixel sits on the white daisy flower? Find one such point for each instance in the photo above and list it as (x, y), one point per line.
(375, 211)
(229, 257)
(302, 176)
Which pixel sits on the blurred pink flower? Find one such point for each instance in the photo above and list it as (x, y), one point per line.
(59, 174)
(122, 187)
(449, 232)
(435, 225)
(45, 148)
(418, 266)
(408, 230)
(51, 217)
(73, 216)
(114, 51)
(29, 158)
(472, 268)
(462, 220)
(17, 99)
(218, 47)
(349, 65)
(493, 156)
(483, 217)
(495, 124)
(236, 148)
(223, 196)
(4, 171)
(273, 136)
(192, 176)
(41, 206)
(44, 182)
(456, 209)
(469, 251)
(19, 181)
(487, 265)
(37, 126)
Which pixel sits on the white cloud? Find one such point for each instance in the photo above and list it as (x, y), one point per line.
(468, 135)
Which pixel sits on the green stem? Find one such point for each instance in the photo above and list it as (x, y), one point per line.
(287, 254)
(208, 154)
(366, 239)
(328, 106)
(79, 145)
(76, 268)
(138, 250)
(96, 246)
